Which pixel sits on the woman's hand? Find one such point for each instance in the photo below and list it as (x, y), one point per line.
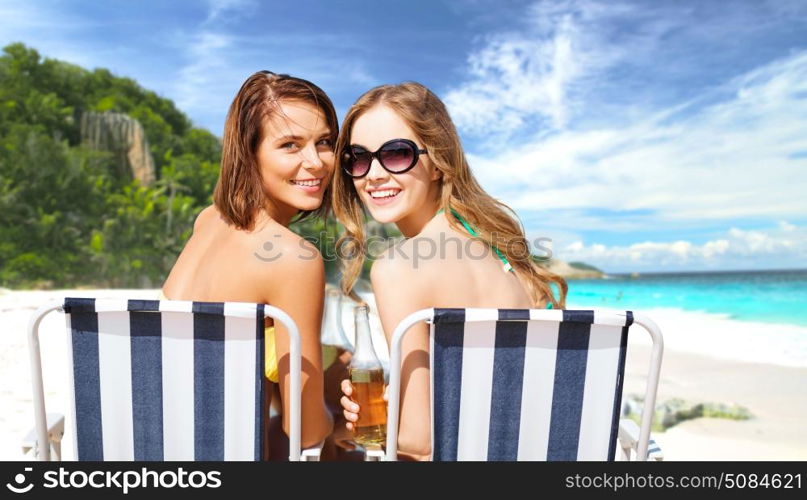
(350, 409)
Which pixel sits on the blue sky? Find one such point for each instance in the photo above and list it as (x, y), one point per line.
(638, 135)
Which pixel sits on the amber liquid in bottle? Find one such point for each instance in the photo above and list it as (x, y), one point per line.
(368, 392)
(367, 378)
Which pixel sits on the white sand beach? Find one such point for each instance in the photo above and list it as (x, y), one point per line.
(775, 396)
(708, 358)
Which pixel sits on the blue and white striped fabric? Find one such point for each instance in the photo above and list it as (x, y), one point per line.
(512, 384)
(166, 380)
(654, 451)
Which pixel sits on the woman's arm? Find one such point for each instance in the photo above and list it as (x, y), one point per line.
(298, 288)
(398, 293)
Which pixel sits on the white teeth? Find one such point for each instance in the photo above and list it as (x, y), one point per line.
(386, 193)
(308, 183)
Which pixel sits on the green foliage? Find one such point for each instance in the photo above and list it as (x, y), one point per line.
(323, 233)
(140, 235)
(67, 218)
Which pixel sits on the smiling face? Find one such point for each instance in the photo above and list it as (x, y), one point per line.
(409, 199)
(295, 158)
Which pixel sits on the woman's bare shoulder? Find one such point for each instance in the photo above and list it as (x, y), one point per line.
(406, 264)
(426, 253)
(285, 244)
(285, 263)
(281, 254)
(207, 216)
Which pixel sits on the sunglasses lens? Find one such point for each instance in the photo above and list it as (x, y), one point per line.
(357, 162)
(397, 156)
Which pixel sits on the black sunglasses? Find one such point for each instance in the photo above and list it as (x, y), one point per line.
(396, 156)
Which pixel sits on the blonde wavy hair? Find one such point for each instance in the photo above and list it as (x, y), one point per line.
(495, 222)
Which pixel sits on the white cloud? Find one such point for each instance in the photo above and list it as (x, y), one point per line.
(201, 78)
(218, 59)
(566, 62)
(785, 226)
(544, 74)
(210, 77)
(721, 150)
(224, 10)
(775, 247)
(724, 158)
(522, 77)
(526, 87)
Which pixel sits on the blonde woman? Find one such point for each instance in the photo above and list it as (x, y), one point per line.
(277, 164)
(399, 157)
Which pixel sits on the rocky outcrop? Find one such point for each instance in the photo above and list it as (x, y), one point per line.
(123, 136)
(675, 411)
(563, 269)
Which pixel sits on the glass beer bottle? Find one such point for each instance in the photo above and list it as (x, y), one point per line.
(367, 377)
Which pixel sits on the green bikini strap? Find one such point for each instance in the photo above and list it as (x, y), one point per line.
(472, 232)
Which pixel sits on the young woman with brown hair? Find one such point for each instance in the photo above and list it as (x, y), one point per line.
(399, 156)
(277, 164)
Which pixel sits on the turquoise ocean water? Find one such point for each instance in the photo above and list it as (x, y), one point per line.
(767, 296)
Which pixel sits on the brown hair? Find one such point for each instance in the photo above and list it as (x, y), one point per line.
(496, 223)
(239, 190)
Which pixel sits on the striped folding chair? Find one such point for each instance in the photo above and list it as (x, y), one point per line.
(526, 384)
(165, 380)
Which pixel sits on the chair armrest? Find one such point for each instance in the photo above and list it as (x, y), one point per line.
(628, 433)
(55, 434)
(374, 454)
(629, 442)
(311, 454)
